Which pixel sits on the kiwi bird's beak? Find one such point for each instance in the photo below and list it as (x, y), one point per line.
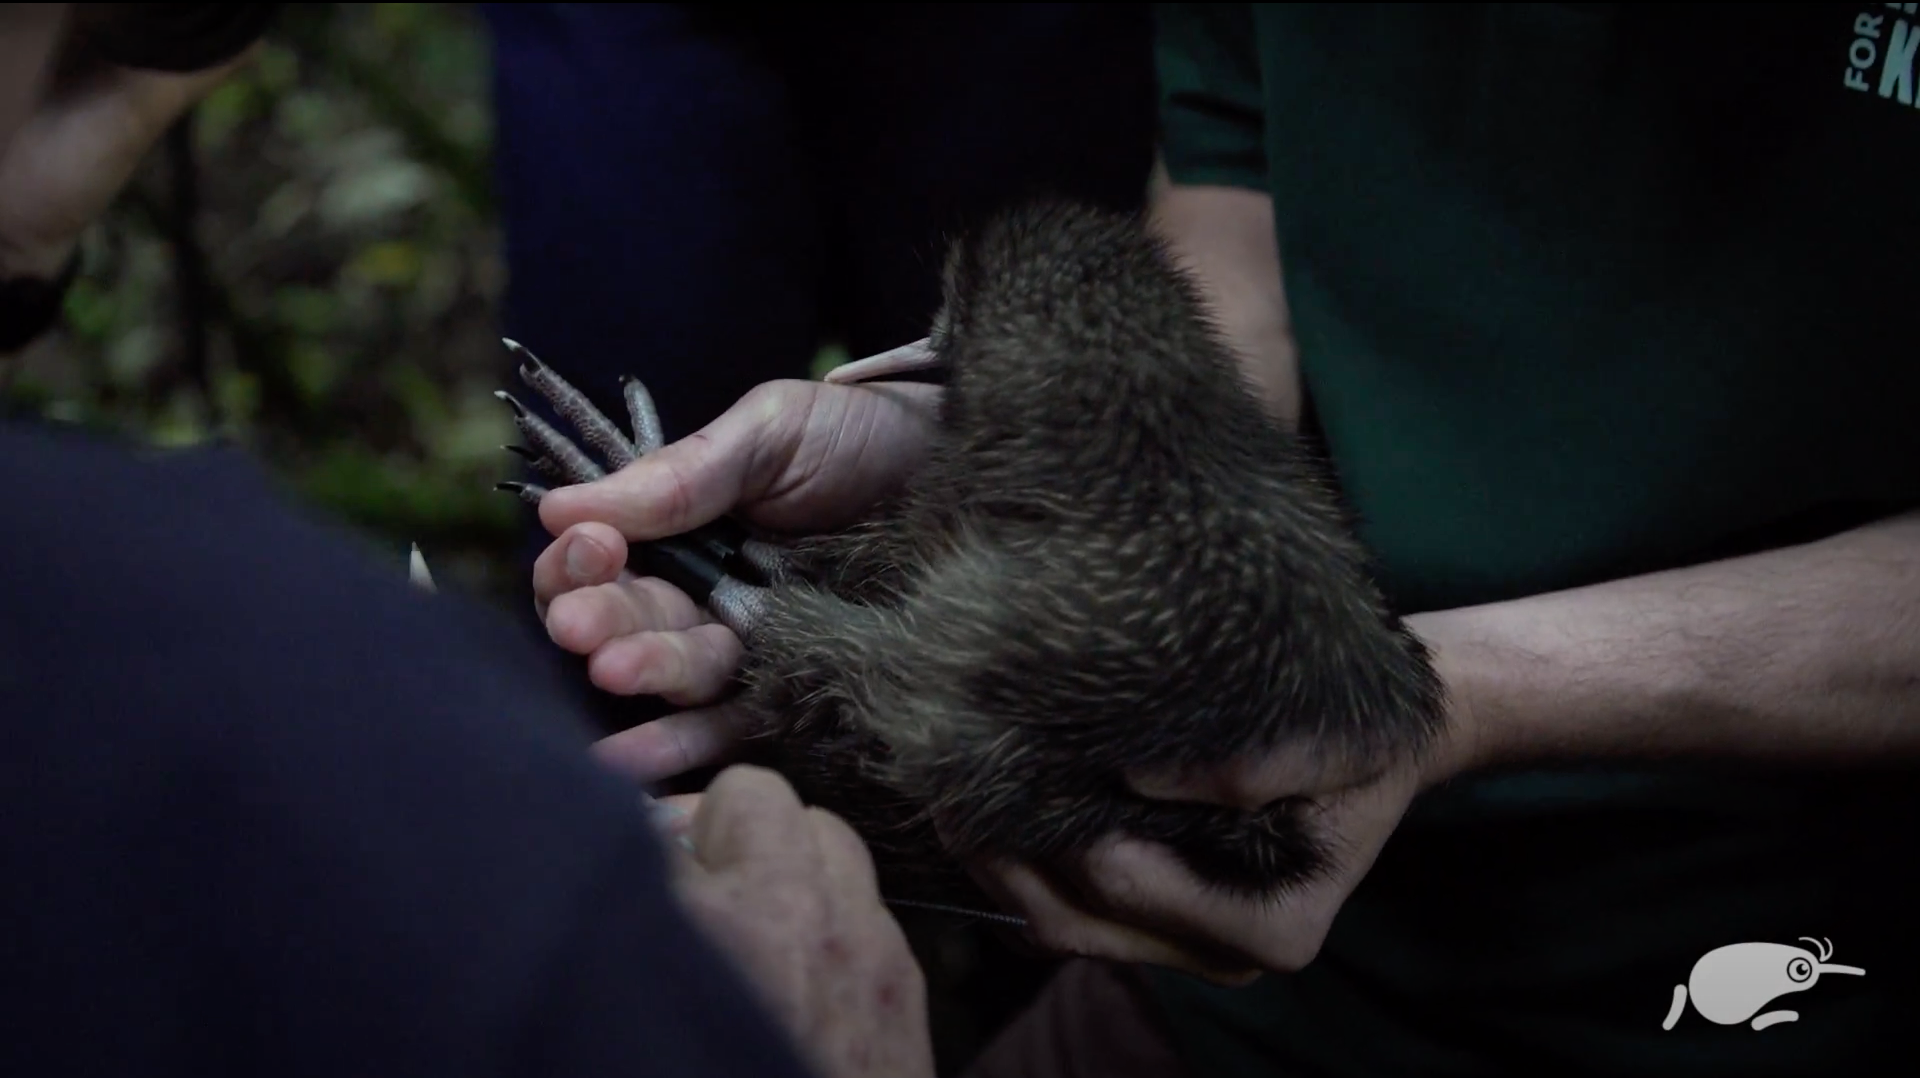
(915, 358)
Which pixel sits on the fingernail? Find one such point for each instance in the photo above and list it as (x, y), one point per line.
(584, 559)
(662, 814)
(666, 819)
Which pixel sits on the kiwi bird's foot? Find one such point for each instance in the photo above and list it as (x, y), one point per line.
(736, 601)
(916, 358)
(589, 422)
(554, 455)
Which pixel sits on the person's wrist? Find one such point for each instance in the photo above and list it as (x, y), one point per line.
(1475, 736)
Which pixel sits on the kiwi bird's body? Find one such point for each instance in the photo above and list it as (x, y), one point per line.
(1114, 562)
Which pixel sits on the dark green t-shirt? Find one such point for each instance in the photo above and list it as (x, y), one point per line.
(1583, 291)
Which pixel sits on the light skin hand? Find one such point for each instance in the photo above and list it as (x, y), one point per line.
(789, 893)
(790, 456)
(77, 147)
(1133, 901)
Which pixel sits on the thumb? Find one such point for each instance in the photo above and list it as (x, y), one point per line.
(691, 482)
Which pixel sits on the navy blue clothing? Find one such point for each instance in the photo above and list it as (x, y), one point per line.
(700, 196)
(266, 810)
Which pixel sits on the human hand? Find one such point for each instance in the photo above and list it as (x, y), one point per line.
(789, 893)
(1130, 900)
(75, 151)
(1134, 901)
(790, 456)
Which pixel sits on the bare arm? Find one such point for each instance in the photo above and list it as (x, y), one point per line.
(1225, 237)
(1809, 652)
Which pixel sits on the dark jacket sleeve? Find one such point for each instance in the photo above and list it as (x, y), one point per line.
(266, 810)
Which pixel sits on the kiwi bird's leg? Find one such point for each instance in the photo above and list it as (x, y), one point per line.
(770, 561)
(738, 605)
(573, 406)
(565, 458)
(908, 358)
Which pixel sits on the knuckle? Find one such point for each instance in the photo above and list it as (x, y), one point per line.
(751, 781)
(719, 649)
(698, 671)
(842, 843)
(686, 756)
(679, 498)
(656, 601)
(1291, 950)
(835, 830)
(663, 655)
(1061, 935)
(769, 402)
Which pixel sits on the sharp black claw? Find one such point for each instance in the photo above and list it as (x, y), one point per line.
(527, 358)
(531, 493)
(522, 452)
(518, 408)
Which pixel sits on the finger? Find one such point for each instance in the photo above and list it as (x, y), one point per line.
(1145, 883)
(590, 619)
(685, 668)
(672, 817)
(751, 815)
(844, 857)
(584, 555)
(1056, 924)
(674, 745)
(692, 481)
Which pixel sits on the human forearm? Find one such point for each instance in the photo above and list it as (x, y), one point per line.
(1806, 653)
(1225, 238)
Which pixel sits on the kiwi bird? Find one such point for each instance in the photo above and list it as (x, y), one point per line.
(1114, 562)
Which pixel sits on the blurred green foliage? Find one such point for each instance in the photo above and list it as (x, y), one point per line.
(310, 268)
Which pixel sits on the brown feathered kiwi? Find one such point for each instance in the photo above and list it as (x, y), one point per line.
(1114, 562)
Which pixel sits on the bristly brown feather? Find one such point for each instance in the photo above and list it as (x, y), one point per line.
(1114, 559)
